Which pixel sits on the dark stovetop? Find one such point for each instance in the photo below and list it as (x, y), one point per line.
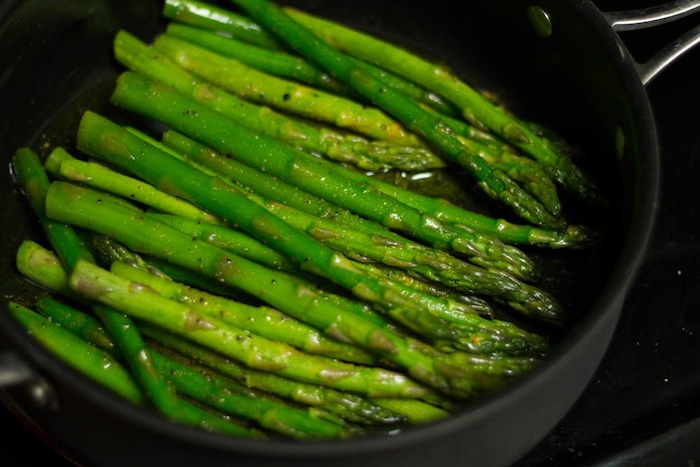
(643, 405)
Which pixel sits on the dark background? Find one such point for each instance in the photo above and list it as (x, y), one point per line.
(643, 405)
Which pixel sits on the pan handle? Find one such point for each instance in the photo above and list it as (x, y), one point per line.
(653, 16)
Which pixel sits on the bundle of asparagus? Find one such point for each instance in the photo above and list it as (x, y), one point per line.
(243, 272)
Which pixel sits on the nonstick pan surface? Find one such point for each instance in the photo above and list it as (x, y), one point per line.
(56, 63)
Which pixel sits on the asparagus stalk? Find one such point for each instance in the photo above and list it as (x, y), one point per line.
(297, 298)
(34, 182)
(228, 239)
(494, 338)
(436, 79)
(331, 142)
(573, 236)
(445, 268)
(222, 134)
(484, 144)
(141, 302)
(62, 164)
(477, 339)
(270, 186)
(475, 107)
(422, 262)
(217, 20)
(263, 321)
(348, 406)
(396, 251)
(70, 249)
(416, 119)
(282, 418)
(441, 305)
(251, 84)
(293, 67)
(272, 61)
(230, 204)
(42, 267)
(198, 383)
(209, 16)
(194, 383)
(405, 304)
(101, 367)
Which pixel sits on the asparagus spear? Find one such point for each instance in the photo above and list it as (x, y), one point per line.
(194, 381)
(141, 302)
(293, 67)
(477, 339)
(416, 119)
(345, 405)
(200, 384)
(462, 334)
(263, 321)
(436, 79)
(574, 236)
(523, 170)
(400, 302)
(374, 156)
(521, 297)
(251, 84)
(493, 339)
(222, 134)
(272, 61)
(331, 142)
(63, 165)
(228, 239)
(98, 365)
(474, 106)
(229, 203)
(274, 188)
(107, 371)
(282, 418)
(207, 15)
(297, 298)
(34, 181)
(422, 262)
(42, 267)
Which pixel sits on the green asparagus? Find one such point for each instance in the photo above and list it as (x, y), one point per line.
(263, 321)
(474, 106)
(345, 405)
(251, 84)
(107, 371)
(35, 182)
(293, 67)
(416, 119)
(200, 384)
(331, 142)
(222, 134)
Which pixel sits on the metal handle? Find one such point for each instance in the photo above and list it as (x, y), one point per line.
(649, 17)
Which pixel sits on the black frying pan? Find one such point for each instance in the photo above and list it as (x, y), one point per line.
(55, 62)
